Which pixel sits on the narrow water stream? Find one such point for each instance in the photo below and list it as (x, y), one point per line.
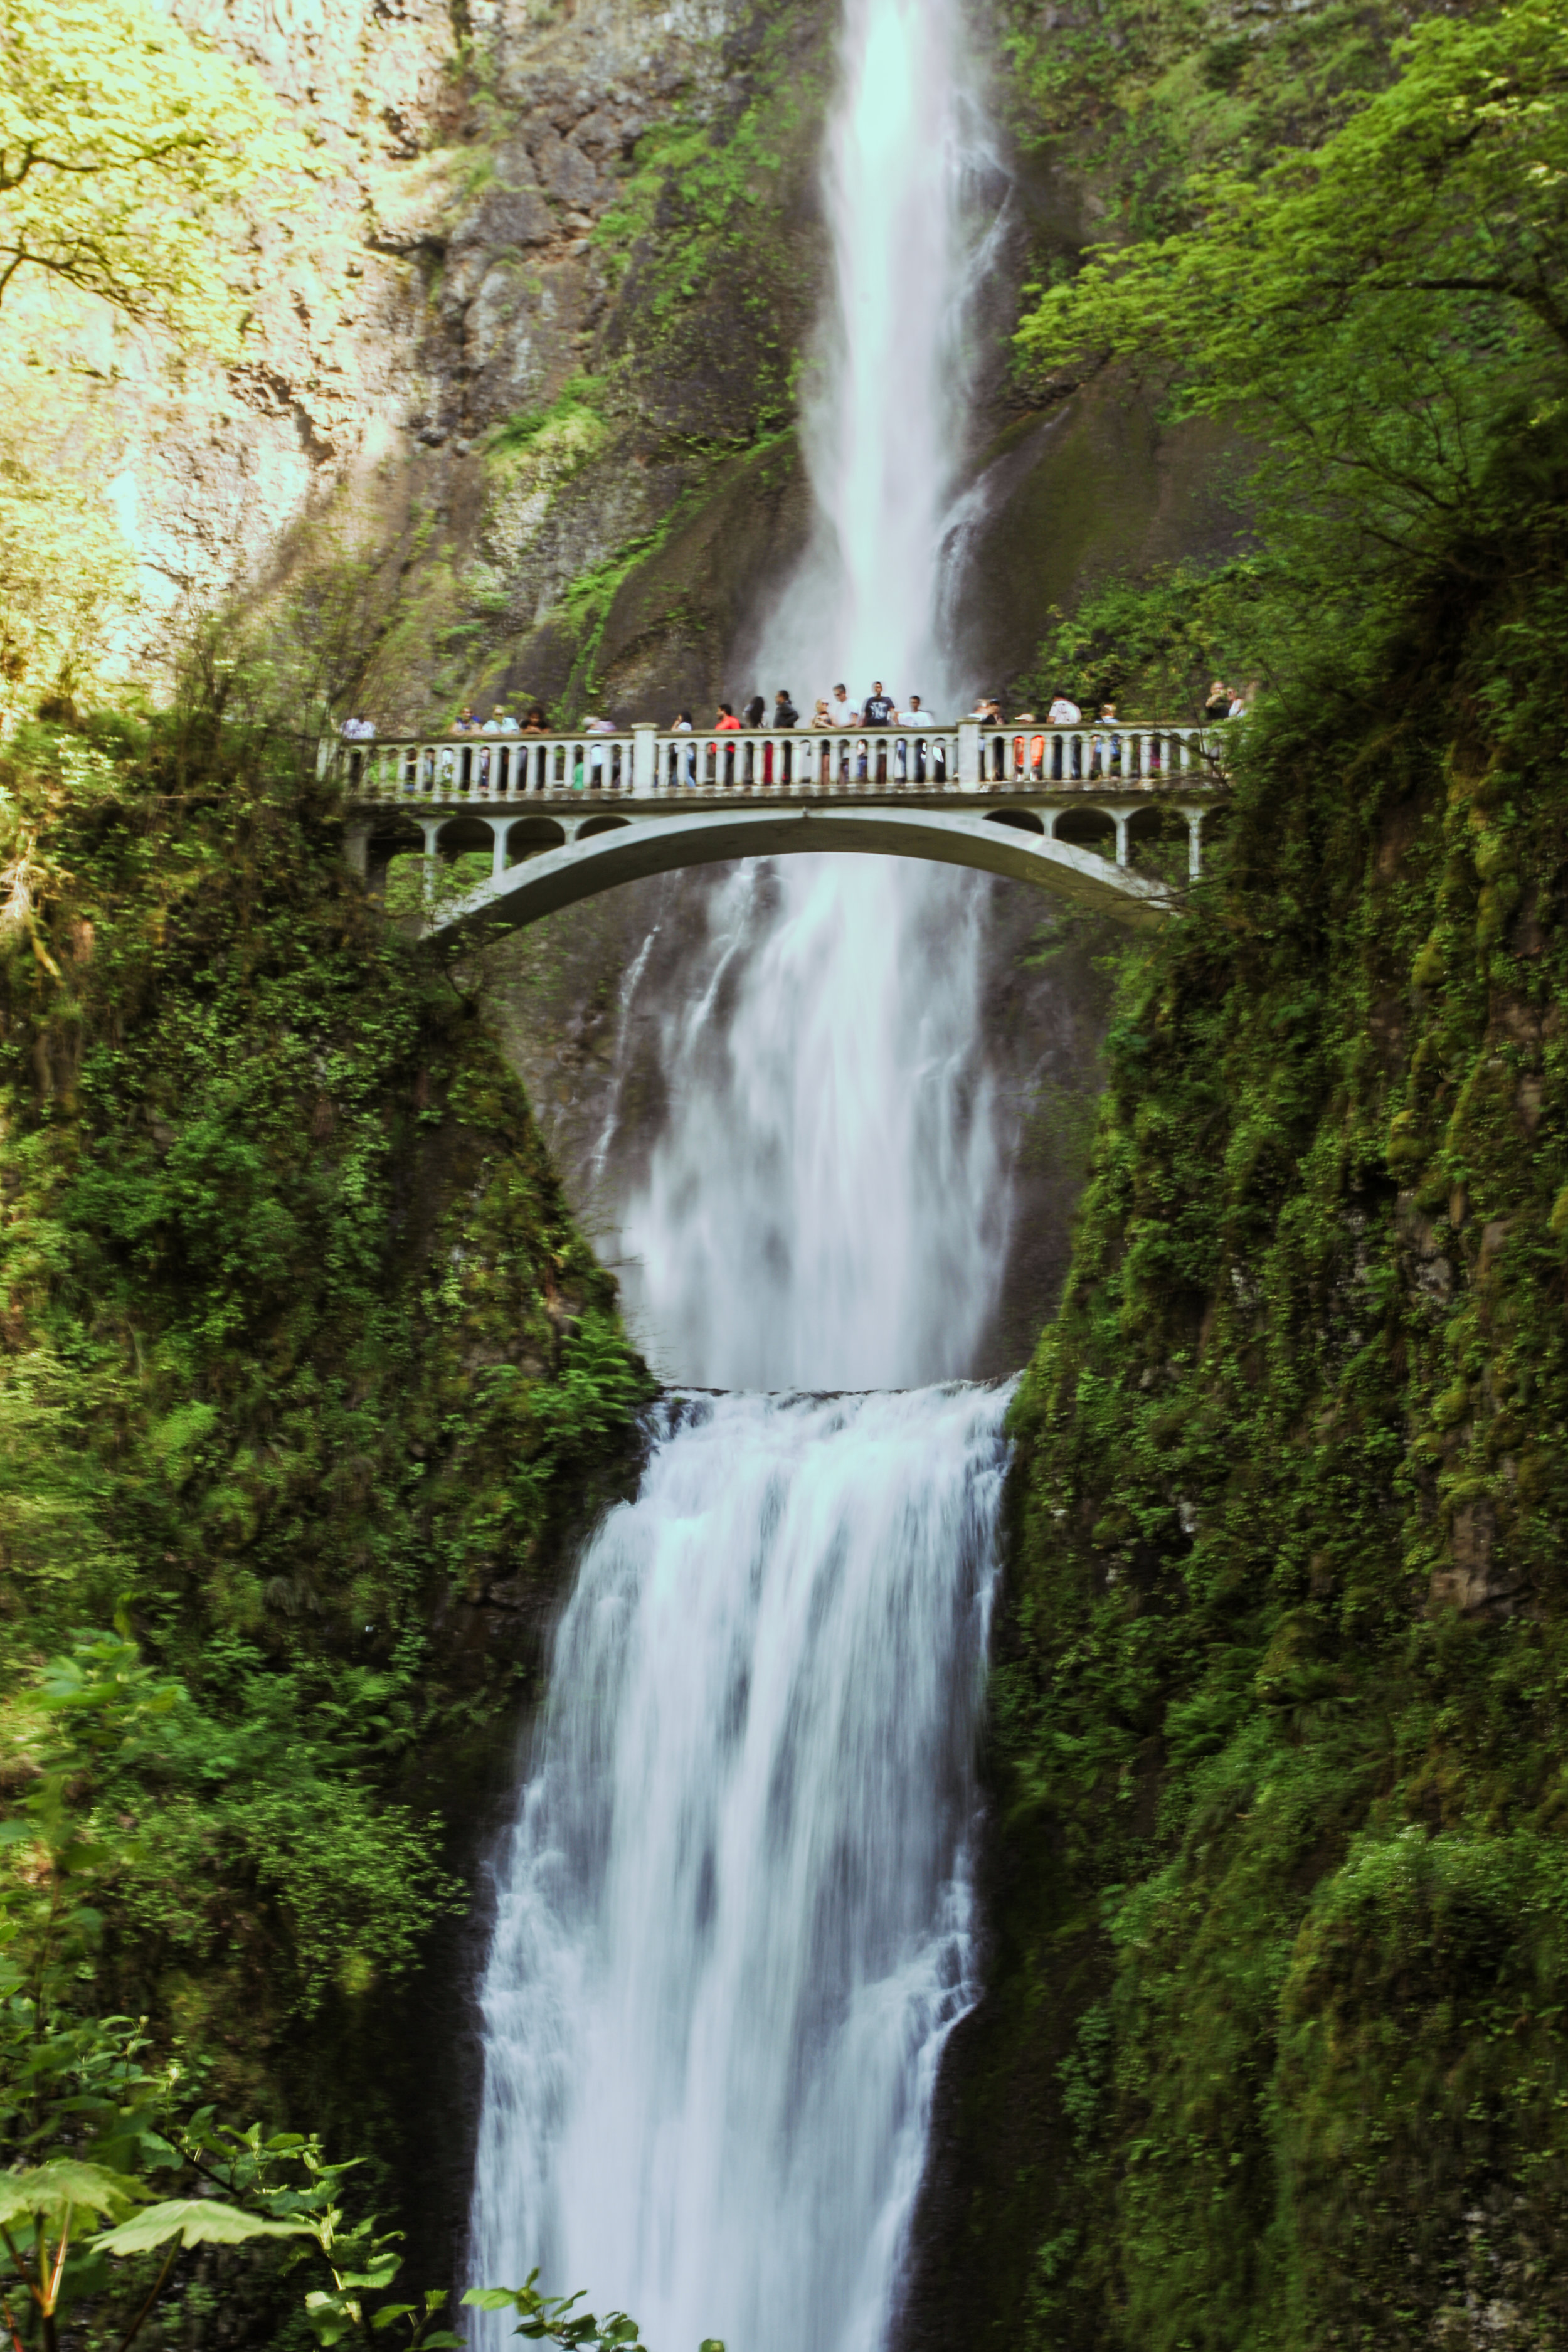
(733, 1919)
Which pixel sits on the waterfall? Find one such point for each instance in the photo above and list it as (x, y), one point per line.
(733, 1921)
(829, 1209)
(733, 1918)
(829, 1204)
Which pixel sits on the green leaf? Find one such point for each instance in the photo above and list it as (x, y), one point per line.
(51, 2189)
(379, 2272)
(195, 2222)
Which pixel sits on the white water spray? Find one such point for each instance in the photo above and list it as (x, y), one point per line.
(735, 1920)
(829, 1205)
(883, 434)
(829, 1209)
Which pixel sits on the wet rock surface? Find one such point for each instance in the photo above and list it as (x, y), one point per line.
(536, 329)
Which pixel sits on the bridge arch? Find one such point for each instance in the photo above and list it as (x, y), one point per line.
(610, 850)
(531, 837)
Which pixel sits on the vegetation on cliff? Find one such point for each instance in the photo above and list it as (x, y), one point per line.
(1272, 2054)
(306, 1376)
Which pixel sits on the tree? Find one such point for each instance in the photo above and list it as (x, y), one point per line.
(1387, 311)
(90, 2112)
(126, 147)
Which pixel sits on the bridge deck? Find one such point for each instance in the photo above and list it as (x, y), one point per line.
(1057, 806)
(642, 762)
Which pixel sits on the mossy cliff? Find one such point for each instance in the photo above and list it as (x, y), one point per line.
(307, 1380)
(1271, 2052)
(538, 334)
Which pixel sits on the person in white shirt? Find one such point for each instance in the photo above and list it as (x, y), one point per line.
(914, 717)
(841, 712)
(1064, 712)
(596, 757)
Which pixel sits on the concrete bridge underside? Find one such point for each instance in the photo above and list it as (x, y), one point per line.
(623, 848)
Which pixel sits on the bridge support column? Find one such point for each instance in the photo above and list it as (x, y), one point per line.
(1121, 819)
(498, 838)
(645, 757)
(431, 828)
(1195, 818)
(356, 848)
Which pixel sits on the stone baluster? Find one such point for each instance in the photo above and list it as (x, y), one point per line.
(645, 757)
(431, 828)
(1195, 818)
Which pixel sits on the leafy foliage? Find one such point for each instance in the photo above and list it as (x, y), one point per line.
(125, 145)
(1383, 309)
(1152, 645)
(554, 2319)
(302, 1359)
(1280, 1688)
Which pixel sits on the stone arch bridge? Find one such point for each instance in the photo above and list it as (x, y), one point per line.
(1106, 815)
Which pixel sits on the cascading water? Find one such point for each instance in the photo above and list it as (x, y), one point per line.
(830, 1207)
(830, 1203)
(733, 1918)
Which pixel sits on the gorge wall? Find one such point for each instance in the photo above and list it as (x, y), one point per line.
(537, 333)
(1267, 2053)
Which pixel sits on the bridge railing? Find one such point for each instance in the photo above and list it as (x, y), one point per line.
(649, 763)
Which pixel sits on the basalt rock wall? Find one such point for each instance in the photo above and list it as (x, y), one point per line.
(538, 331)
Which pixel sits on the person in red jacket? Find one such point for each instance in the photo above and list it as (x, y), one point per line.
(727, 724)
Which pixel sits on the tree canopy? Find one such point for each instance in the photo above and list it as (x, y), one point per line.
(1386, 310)
(126, 145)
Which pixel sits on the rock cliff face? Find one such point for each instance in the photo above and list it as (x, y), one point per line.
(536, 331)
(524, 329)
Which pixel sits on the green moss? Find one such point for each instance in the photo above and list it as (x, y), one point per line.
(307, 1378)
(1278, 1699)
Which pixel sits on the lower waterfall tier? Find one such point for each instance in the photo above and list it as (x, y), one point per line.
(734, 1917)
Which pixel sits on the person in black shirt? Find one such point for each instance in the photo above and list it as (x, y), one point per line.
(784, 712)
(754, 710)
(878, 706)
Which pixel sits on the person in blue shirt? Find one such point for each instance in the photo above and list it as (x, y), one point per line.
(880, 706)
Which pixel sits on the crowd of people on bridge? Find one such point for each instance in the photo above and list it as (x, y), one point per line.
(1098, 755)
